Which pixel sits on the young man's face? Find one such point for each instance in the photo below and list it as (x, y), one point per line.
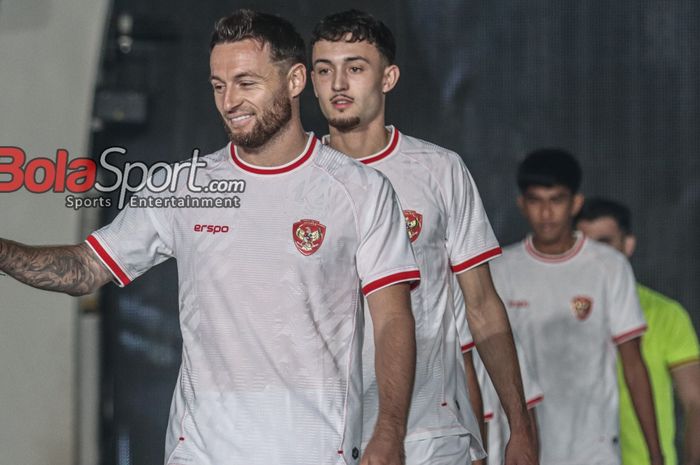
(350, 80)
(250, 91)
(605, 229)
(550, 211)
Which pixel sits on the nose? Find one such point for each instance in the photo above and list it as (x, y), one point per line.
(546, 211)
(231, 99)
(340, 82)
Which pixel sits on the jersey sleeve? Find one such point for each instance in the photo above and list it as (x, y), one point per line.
(681, 339)
(625, 315)
(470, 239)
(384, 256)
(133, 243)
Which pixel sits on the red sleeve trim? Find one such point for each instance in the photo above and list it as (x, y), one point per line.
(629, 335)
(112, 265)
(467, 347)
(476, 261)
(532, 402)
(413, 275)
(488, 416)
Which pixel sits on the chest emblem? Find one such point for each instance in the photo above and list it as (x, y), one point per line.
(308, 236)
(414, 223)
(581, 306)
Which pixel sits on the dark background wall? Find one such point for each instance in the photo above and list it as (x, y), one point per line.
(614, 82)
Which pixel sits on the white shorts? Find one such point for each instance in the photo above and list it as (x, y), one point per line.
(443, 450)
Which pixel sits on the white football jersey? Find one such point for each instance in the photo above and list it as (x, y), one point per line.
(450, 233)
(494, 415)
(270, 304)
(572, 309)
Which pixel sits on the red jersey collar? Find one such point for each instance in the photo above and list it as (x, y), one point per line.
(555, 258)
(394, 137)
(287, 167)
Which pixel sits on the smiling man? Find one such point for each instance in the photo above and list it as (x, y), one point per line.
(353, 69)
(574, 303)
(270, 307)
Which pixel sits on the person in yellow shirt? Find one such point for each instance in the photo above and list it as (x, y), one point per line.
(669, 348)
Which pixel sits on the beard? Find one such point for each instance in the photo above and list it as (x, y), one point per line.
(344, 124)
(267, 126)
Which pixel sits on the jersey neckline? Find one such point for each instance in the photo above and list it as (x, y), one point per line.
(555, 258)
(389, 149)
(271, 170)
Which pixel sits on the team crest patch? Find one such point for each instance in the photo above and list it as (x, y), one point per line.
(308, 236)
(414, 223)
(581, 306)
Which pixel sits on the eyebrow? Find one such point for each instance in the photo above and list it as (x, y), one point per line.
(347, 59)
(245, 74)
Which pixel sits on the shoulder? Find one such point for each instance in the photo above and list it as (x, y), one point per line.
(432, 154)
(355, 177)
(655, 301)
(511, 254)
(604, 257)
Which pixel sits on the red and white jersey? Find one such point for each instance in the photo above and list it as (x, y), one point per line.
(572, 310)
(271, 305)
(494, 415)
(450, 233)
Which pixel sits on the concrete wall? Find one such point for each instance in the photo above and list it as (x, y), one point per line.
(49, 52)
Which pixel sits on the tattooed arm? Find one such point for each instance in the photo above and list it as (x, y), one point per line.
(72, 269)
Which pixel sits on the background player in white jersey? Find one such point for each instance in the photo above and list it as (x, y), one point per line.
(352, 70)
(669, 347)
(496, 431)
(576, 303)
(270, 308)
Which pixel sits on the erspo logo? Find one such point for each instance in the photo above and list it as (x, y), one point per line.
(211, 228)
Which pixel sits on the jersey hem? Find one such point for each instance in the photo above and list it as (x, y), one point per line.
(629, 335)
(117, 271)
(534, 401)
(412, 276)
(477, 260)
(467, 347)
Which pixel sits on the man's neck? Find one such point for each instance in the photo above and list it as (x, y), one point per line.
(286, 145)
(360, 142)
(560, 246)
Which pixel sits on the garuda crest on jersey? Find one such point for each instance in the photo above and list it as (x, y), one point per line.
(581, 306)
(414, 223)
(308, 236)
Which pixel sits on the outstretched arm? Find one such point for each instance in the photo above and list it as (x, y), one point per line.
(395, 365)
(490, 328)
(71, 269)
(637, 379)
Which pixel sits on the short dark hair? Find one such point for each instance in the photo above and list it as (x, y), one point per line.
(596, 208)
(356, 26)
(286, 45)
(549, 167)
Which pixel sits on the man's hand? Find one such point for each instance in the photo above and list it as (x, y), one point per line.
(521, 448)
(384, 450)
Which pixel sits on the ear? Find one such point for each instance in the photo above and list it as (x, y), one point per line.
(296, 79)
(390, 78)
(577, 203)
(629, 244)
(313, 83)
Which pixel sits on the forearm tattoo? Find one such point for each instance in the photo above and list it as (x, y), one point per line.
(72, 269)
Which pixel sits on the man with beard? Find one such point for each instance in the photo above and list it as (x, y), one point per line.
(352, 71)
(271, 306)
